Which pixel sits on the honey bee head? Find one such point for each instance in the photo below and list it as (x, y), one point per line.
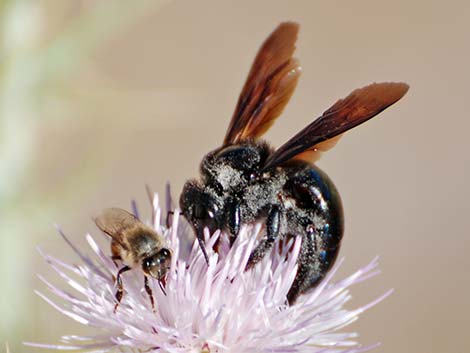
(158, 264)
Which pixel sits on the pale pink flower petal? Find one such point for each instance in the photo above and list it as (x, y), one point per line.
(218, 307)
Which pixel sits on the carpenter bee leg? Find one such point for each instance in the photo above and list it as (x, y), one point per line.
(303, 282)
(308, 274)
(120, 288)
(272, 232)
(303, 272)
(149, 292)
(233, 221)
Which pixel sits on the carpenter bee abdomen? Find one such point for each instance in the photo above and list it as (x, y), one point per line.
(318, 215)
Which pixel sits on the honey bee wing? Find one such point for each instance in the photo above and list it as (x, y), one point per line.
(115, 221)
(269, 86)
(361, 105)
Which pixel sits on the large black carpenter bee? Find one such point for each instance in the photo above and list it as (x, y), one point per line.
(246, 180)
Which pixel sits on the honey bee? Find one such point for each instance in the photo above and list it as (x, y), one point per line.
(246, 180)
(136, 245)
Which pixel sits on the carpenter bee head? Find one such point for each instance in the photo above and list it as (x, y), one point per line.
(202, 206)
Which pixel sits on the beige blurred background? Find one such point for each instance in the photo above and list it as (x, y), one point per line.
(98, 98)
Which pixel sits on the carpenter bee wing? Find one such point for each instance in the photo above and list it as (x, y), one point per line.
(322, 134)
(269, 86)
(116, 221)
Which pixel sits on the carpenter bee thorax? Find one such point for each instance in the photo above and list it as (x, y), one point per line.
(228, 193)
(233, 167)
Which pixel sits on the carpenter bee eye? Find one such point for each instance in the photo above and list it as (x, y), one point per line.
(206, 215)
(205, 211)
(200, 211)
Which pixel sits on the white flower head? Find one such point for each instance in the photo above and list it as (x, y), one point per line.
(215, 307)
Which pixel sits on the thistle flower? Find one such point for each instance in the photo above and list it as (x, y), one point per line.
(215, 307)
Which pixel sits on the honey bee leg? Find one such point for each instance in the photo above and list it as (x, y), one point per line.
(161, 284)
(120, 289)
(115, 251)
(116, 258)
(272, 232)
(149, 292)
